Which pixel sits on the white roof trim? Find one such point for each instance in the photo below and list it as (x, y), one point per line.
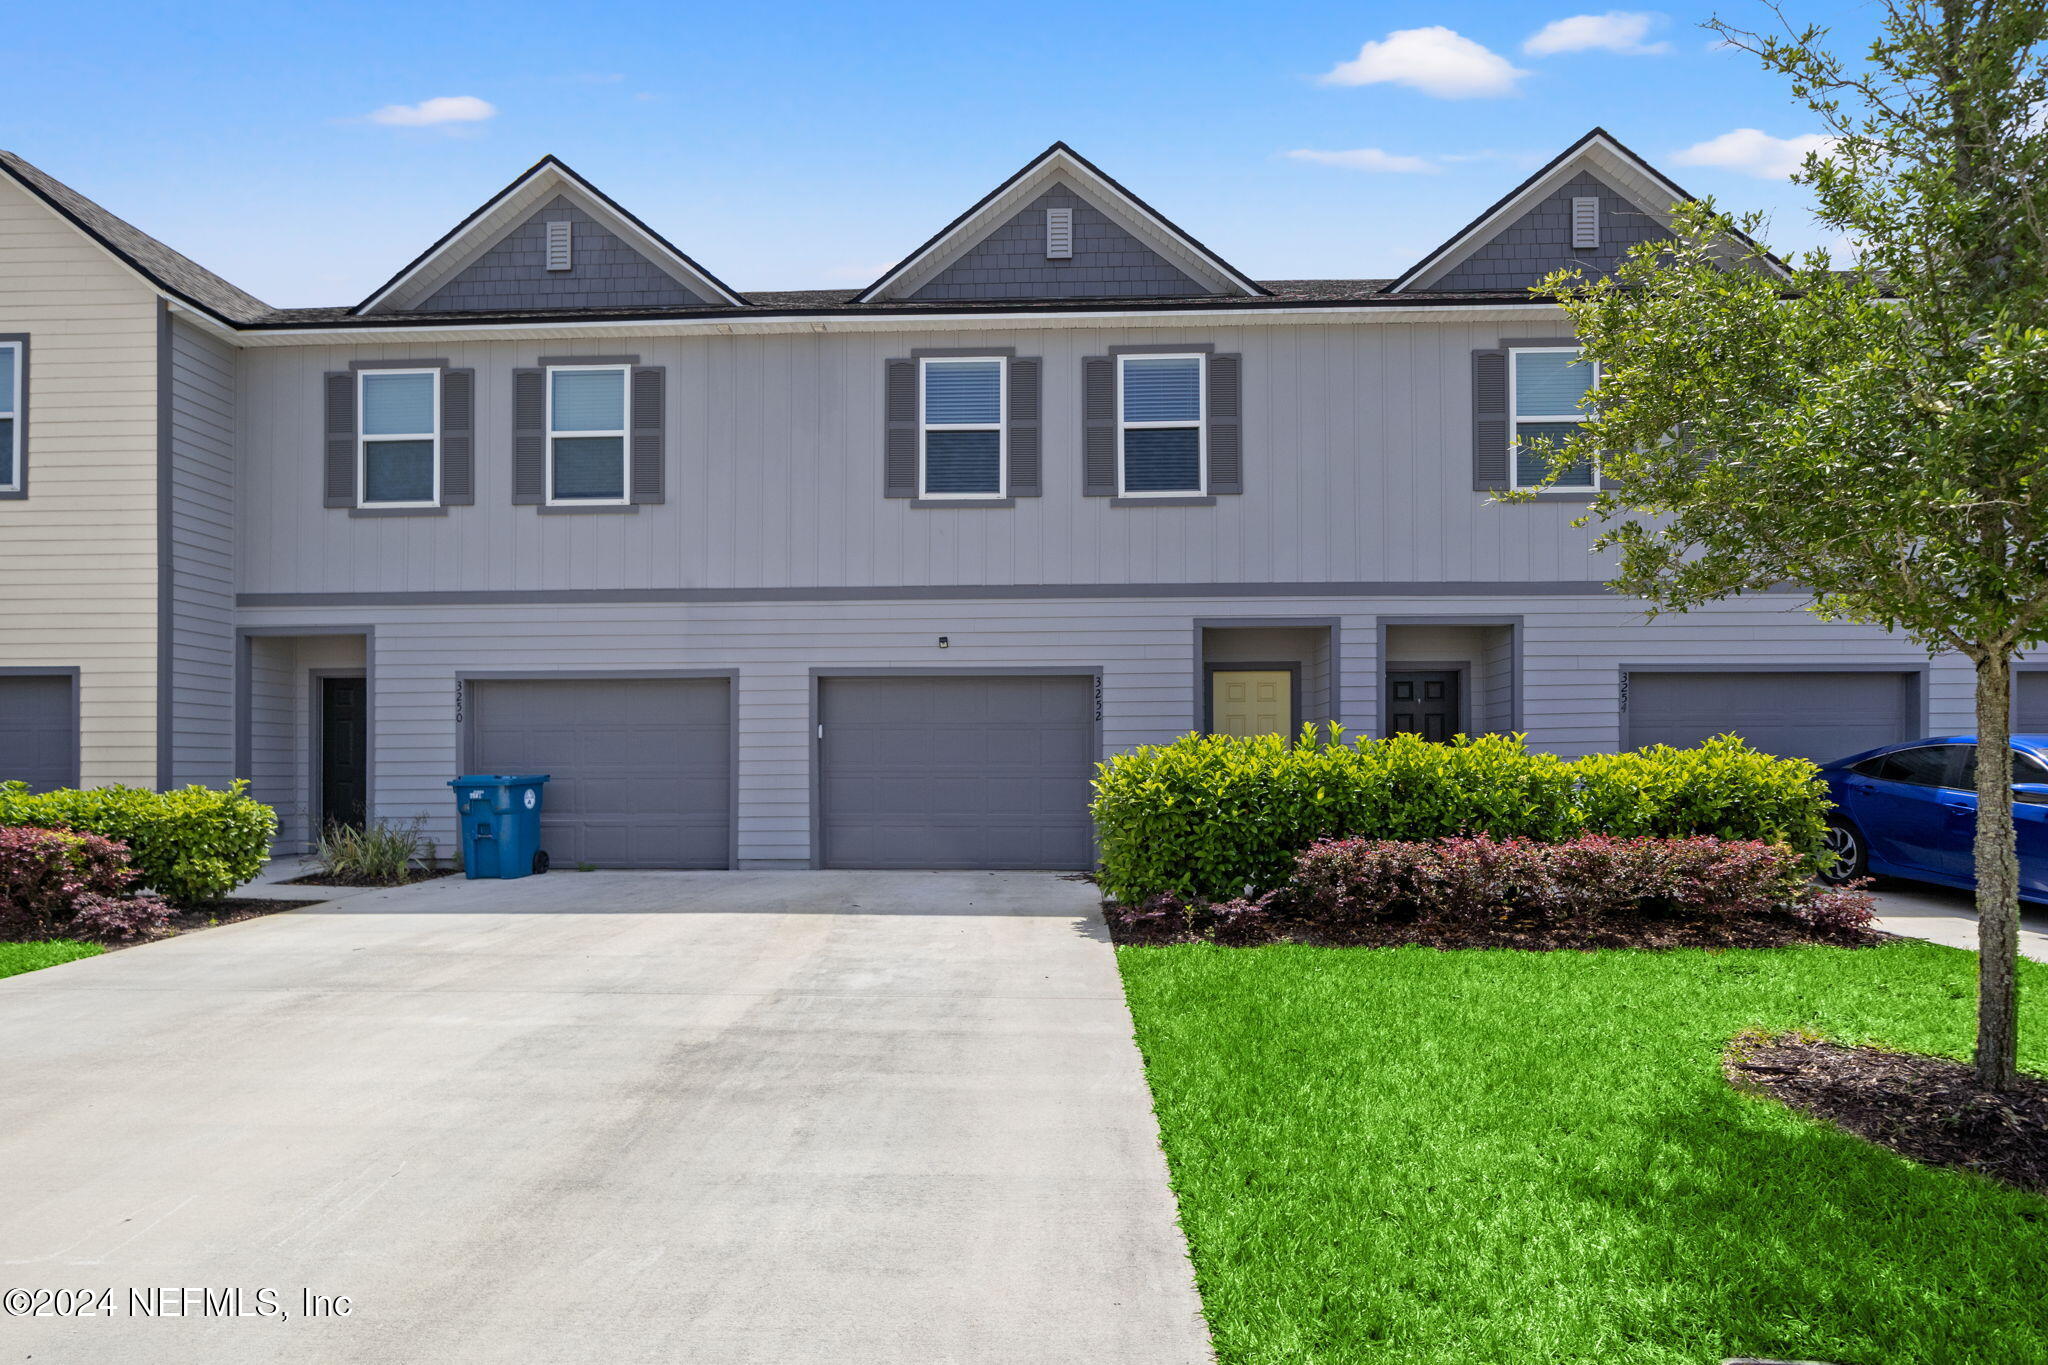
(510, 207)
(1622, 169)
(1059, 165)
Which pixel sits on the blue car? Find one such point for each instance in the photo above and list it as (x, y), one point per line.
(1910, 810)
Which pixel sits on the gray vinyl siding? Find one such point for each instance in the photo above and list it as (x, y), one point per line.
(280, 724)
(604, 273)
(1356, 438)
(1108, 262)
(1493, 705)
(1573, 652)
(202, 557)
(1540, 241)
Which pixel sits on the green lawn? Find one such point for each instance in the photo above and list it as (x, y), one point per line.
(1504, 1158)
(16, 958)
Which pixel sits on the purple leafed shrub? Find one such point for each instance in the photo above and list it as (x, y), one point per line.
(58, 884)
(1482, 884)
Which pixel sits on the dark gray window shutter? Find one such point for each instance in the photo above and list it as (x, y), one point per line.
(339, 483)
(1098, 426)
(1226, 424)
(1489, 420)
(458, 438)
(899, 438)
(529, 436)
(1023, 480)
(650, 426)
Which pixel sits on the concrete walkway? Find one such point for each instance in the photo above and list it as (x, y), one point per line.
(1936, 913)
(681, 1117)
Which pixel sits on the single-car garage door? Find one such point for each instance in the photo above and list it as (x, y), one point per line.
(2030, 702)
(640, 769)
(1821, 716)
(39, 731)
(961, 772)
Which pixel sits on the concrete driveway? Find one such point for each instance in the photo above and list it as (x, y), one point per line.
(678, 1117)
(1922, 910)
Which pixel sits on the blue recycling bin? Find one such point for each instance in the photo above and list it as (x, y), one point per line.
(500, 824)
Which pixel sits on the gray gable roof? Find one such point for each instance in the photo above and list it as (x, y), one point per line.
(604, 271)
(1107, 261)
(175, 274)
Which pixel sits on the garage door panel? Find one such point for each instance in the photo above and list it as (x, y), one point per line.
(38, 731)
(2030, 702)
(956, 772)
(1821, 716)
(640, 768)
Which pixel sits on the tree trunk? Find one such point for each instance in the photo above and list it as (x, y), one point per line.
(1998, 880)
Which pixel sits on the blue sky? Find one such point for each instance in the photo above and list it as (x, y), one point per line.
(811, 145)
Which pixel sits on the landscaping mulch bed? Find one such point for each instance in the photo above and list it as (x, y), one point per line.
(1927, 1108)
(341, 879)
(1610, 932)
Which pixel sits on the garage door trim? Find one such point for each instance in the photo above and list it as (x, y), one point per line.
(1917, 673)
(70, 675)
(731, 677)
(820, 676)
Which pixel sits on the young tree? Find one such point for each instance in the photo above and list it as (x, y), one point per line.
(1875, 437)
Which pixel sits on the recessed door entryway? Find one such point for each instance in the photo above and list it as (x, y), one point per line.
(1251, 701)
(1423, 703)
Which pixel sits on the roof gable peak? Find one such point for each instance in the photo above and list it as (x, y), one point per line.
(1061, 164)
(504, 212)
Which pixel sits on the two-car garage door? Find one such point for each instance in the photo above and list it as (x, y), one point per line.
(1821, 716)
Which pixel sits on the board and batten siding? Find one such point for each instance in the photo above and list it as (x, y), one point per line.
(202, 556)
(1357, 460)
(78, 555)
(1573, 650)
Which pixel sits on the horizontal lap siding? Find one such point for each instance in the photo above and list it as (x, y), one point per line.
(1573, 651)
(202, 558)
(78, 556)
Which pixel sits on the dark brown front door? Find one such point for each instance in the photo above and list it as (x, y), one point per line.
(1423, 704)
(344, 712)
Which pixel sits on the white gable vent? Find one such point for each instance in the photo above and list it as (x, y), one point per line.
(558, 245)
(1585, 221)
(1059, 234)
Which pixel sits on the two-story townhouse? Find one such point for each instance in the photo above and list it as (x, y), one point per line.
(834, 578)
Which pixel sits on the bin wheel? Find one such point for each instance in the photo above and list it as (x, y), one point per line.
(540, 861)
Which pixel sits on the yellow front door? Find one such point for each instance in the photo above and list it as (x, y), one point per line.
(1251, 702)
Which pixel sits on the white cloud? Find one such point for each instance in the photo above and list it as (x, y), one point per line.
(434, 112)
(1437, 61)
(1365, 159)
(1754, 152)
(1618, 30)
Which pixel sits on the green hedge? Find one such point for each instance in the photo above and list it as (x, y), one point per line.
(1207, 816)
(190, 846)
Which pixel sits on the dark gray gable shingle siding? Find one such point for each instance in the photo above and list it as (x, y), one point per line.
(605, 272)
(1540, 241)
(1108, 262)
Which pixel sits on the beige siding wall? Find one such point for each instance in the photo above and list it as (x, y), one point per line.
(78, 556)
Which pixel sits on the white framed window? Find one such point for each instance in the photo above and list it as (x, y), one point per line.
(589, 413)
(399, 449)
(10, 417)
(1162, 407)
(963, 413)
(1548, 391)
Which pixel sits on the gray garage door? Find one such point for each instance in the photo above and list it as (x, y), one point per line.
(39, 732)
(957, 772)
(2030, 703)
(640, 768)
(1821, 716)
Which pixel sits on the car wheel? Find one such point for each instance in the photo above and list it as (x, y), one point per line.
(1843, 856)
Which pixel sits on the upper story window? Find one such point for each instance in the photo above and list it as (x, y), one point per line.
(10, 417)
(1161, 408)
(399, 462)
(1547, 391)
(962, 418)
(588, 416)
